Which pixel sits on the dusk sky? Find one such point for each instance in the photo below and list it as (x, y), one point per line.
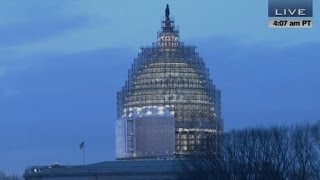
(62, 62)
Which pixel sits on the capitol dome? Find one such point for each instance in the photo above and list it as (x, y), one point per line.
(169, 104)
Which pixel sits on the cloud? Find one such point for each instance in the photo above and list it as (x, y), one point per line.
(74, 26)
(38, 30)
(33, 28)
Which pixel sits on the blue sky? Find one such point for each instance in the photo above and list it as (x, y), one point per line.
(62, 61)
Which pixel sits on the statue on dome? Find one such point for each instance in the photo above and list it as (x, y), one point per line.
(167, 12)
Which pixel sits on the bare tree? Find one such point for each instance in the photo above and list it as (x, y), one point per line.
(305, 156)
(277, 153)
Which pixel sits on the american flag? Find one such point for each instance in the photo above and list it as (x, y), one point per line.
(82, 145)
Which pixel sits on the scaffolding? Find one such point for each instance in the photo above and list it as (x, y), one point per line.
(172, 74)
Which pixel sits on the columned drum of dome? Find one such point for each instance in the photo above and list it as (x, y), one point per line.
(169, 106)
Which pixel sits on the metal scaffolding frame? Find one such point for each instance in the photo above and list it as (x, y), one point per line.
(172, 74)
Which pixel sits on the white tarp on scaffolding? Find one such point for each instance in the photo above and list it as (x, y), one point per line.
(154, 136)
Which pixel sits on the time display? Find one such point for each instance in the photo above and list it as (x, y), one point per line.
(290, 23)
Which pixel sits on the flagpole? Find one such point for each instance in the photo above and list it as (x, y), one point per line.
(84, 155)
(83, 148)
